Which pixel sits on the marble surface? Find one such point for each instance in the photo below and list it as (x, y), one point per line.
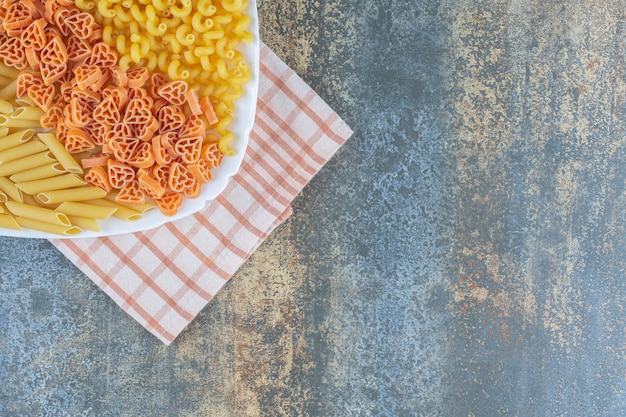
(462, 255)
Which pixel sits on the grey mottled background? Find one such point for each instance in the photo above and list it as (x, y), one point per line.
(462, 255)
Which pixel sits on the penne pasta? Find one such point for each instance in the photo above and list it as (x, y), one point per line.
(53, 183)
(122, 212)
(45, 171)
(7, 121)
(29, 199)
(26, 163)
(62, 155)
(10, 190)
(38, 213)
(84, 209)
(71, 194)
(86, 223)
(20, 151)
(47, 227)
(15, 139)
(5, 107)
(7, 221)
(26, 113)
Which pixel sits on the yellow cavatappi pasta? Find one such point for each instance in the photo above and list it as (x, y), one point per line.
(85, 5)
(233, 6)
(201, 23)
(155, 28)
(206, 8)
(104, 8)
(161, 5)
(184, 35)
(181, 11)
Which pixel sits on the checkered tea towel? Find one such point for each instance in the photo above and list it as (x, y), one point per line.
(165, 276)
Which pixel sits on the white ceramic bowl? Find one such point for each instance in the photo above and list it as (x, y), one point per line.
(243, 121)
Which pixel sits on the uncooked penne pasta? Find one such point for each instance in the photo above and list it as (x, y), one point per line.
(53, 183)
(8, 187)
(5, 107)
(6, 121)
(47, 227)
(26, 163)
(3, 197)
(122, 212)
(74, 208)
(16, 138)
(38, 213)
(26, 113)
(45, 171)
(20, 151)
(30, 199)
(71, 194)
(86, 223)
(62, 155)
(8, 222)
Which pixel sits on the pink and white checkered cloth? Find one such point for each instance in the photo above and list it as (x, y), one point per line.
(165, 276)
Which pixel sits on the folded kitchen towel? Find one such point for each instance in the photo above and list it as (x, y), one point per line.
(163, 277)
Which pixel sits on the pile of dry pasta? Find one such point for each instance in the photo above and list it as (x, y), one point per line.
(114, 107)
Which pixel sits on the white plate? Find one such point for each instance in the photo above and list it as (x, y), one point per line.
(243, 121)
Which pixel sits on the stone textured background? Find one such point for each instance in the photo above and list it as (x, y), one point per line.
(462, 255)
